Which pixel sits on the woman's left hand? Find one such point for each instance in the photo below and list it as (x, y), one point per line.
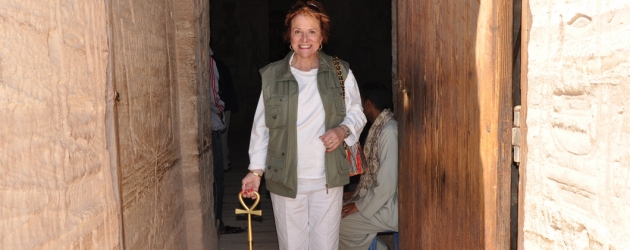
(333, 138)
(348, 209)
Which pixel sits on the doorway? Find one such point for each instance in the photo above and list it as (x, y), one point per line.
(452, 71)
(247, 35)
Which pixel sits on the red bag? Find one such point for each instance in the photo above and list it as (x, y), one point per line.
(356, 159)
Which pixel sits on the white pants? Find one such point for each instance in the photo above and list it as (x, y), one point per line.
(311, 220)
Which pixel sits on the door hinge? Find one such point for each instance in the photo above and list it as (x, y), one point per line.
(516, 135)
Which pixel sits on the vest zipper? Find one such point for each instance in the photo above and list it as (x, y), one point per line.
(326, 188)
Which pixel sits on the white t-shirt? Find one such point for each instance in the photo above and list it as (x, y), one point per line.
(310, 126)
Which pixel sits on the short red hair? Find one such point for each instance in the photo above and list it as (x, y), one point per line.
(313, 9)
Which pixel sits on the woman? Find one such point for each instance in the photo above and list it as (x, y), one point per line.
(299, 129)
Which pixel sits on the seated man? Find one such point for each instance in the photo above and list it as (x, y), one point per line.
(373, 206)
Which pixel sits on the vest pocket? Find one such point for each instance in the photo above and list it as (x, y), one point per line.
(340, 105)
(276, 111)
(275, 165)
(343, 168)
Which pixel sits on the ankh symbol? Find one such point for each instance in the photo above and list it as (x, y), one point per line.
(249, 211)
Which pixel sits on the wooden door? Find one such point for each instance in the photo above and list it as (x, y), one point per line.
(454, 111)
(148, 148)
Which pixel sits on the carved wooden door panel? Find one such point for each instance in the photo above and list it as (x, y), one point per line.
(148, 152)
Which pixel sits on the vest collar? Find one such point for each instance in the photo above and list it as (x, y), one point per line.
(284, 73)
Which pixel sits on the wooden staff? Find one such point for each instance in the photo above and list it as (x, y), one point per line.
(249, 211)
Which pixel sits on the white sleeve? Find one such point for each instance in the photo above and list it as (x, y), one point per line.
(259, 140)
(217, 105)
(355, 119)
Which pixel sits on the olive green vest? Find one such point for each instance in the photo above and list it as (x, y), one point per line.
(280, 94)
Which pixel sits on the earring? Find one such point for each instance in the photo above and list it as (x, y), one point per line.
(290, 48)
(321, 47)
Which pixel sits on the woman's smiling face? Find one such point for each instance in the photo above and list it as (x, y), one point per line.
(306, 36)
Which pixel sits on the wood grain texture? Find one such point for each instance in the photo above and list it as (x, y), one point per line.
(149, 156)
(190, 51)
(496, 111)
(455, 68)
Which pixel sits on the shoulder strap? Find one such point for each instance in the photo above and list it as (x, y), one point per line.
(340, 76)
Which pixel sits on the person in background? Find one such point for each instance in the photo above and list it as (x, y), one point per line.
(300, 125)
(218, 124)
(373, 206)
(217, 108)
(228, 96)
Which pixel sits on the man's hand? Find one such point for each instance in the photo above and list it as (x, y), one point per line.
(348, 209)
(347, 196)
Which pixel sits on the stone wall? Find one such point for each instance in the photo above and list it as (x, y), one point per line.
(578, 164)
(101, 144)
(56, 187)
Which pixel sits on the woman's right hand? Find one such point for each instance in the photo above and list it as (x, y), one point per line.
(251, 183)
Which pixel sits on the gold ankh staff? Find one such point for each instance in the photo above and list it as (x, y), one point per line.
(249, 211)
